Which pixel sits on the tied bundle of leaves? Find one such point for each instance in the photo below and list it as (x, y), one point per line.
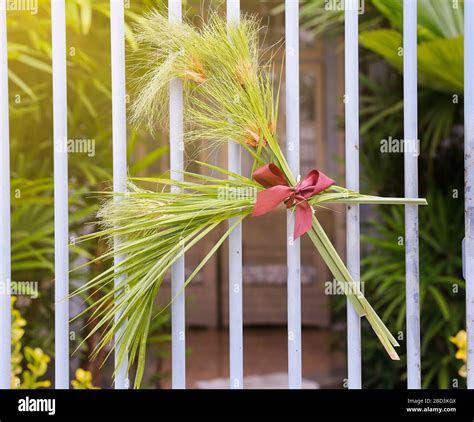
(228, 96)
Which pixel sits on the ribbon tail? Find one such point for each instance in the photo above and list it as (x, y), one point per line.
(269, 199)
(303, 220)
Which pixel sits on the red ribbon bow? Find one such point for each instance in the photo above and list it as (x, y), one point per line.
(277, 191)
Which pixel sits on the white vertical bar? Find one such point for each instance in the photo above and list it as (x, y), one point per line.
(410, 112)
(61, 231)
(119, 138)
(235, 256)
(351, 71)
(293, 154)
(5, 235)
(469, 182)
(177, 272)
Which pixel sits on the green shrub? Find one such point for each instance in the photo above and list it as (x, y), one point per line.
(441, 291)
(30, 364)
(440, 108)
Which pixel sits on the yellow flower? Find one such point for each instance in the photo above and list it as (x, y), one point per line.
(460, 341)
(83, 380)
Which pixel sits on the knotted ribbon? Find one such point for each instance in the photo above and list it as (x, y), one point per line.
(278, 190)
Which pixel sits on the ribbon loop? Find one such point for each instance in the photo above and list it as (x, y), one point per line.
(278, 190)
(269, 175)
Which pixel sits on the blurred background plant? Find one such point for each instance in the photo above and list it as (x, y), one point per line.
(29, 365)
(440, 91)
(89, 118)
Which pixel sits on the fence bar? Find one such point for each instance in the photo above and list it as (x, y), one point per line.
(119, 139)
(5, 234)
(293, 154)
(178, 350)
(469, 182)
(235, 257)
(61, 230)
(351, 70)
(410, 117)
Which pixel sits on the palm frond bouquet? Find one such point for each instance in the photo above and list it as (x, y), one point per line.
(229, 95)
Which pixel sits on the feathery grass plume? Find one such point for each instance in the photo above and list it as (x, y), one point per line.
(228, 89)
(172, 50)
(155, 228)
(229, 96)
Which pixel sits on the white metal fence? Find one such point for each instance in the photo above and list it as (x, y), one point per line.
(235, 243)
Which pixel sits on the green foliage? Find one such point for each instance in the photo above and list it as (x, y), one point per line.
(382, 117)
(317, 18)
(440, 36)
(440, 42)
(31, 133)
(436, 18)
(29, 365)
(37, 365)
(441, 224)
(441, 289)
(440, 61)
(440, 74)
(441, 232)
(83, 380)
(440, 64)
